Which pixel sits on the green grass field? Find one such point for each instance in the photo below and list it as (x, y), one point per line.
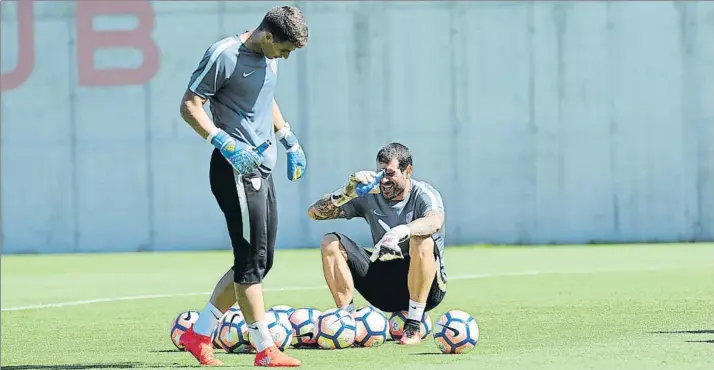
(562, 307)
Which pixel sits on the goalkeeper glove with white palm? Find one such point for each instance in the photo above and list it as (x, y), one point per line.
(387, 248)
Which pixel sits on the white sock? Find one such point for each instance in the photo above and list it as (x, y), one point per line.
(349, 308)
(207, 320)
(416, 310)
(260, 335)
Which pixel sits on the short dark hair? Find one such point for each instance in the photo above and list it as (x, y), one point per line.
(286, 23)
(395, 151)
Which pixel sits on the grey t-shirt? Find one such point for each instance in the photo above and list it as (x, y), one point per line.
(382, 214)
(240, 86)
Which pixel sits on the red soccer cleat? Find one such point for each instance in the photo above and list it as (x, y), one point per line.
(272, 357)
(200, 347)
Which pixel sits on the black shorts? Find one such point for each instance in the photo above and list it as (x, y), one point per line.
(248, 204)
(384, 284)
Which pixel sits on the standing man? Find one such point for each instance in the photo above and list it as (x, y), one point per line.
(238, 76)
(405, 271)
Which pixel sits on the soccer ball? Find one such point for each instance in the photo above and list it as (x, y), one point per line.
(232, 332)
(283, 313)
(397, 320)
(304, 322)
(182, 323)
(371, 326)
(282, 335)
(335, 329)
(214, 335)
(456, 332)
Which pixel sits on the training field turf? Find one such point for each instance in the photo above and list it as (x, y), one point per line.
(574, 307)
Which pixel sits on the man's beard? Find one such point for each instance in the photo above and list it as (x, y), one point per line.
(391, 190)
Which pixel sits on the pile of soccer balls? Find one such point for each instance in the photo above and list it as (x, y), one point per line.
(455, 332)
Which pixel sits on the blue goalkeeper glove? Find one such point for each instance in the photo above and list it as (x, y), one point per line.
(244, 158)
(297, 162)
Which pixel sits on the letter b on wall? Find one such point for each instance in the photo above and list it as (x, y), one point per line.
(89, 40)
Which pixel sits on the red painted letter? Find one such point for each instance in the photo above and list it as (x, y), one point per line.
(89, 40)
(25, 48)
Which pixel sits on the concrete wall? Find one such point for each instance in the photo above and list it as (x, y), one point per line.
(538, 122)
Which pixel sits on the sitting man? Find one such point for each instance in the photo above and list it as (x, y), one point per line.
(405, 271)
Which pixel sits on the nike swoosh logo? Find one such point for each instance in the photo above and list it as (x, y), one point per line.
(248, 74)
(376, 213)
(455, 332)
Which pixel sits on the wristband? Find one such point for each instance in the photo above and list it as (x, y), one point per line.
(211, 134)
(287, 138)
(339, 198)
(280, 134)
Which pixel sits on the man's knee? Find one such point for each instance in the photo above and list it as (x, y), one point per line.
(422, 248)
(331, 246)
(250, 271)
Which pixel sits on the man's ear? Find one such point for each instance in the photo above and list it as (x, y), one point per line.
(268, 36)
(408, 171)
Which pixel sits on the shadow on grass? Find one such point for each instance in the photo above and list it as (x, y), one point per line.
(426, 354)
(221, 352)
(110, 365)
(701, 331)
(309, 348)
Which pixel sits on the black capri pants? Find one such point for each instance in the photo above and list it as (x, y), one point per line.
(248, 204)
(384, 283)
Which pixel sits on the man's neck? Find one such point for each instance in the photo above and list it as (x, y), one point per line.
(250, 40)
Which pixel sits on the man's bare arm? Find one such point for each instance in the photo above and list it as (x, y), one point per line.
(278, 119)
(324, 209)
(192, 112)
(427, 225)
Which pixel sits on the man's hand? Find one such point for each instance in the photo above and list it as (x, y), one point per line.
(349, 190)
(242, 157)
(297, 162)
(387, 248)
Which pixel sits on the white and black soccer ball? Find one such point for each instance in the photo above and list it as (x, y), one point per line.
(214, 333)
(456, 332)
(304, 324)
(181, 324)
(232, 332)
(371, 327)
(336, 329)
(283, 312)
